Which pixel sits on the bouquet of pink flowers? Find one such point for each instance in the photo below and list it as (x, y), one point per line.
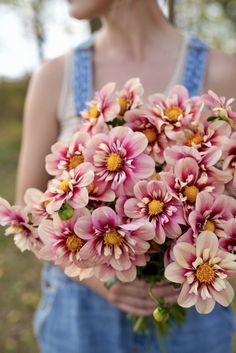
(141, 190)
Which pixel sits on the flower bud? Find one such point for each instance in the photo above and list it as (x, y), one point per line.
(65, 212)
(160, 314)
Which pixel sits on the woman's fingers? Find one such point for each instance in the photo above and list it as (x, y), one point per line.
(133, 310)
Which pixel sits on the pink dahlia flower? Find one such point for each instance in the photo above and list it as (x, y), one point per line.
(99, 191)
(175, 111)
(220, 106)
(143, 121)
(130, 96)
(62, 244)
(207, 161)
(118, 159)
(211, 214)
(229, 243)
(66, 156)
(70, 187)
(36, 205)
(118, 248)
(203, 270)
(187, 180)
(101, 110)
(155, 204)
(17, 222)
(204, 136)
(230, 160)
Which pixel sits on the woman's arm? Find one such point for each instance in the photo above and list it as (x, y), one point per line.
(40, 127)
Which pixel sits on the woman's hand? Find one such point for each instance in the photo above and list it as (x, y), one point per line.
(134, 298)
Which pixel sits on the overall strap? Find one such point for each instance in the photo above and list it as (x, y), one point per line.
(82, 77)
(195, 66)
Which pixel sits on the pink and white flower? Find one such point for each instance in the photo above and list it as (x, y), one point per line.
(17, 222)
(211, 214)
(36, 205)
(175, 111)
(67, 156)
(229, 163)
(155, 204)
(101, 110)
(205, 135)
(229, 243)
(203, 270)
(116, 248)
(220, 106)
(118, 159)
(99, 191)
(207, 162)
(62, 244)
(143, 121)
(130, 96)
(187, 180)
(70, 187)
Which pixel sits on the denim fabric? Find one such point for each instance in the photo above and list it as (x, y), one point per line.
(73, 319)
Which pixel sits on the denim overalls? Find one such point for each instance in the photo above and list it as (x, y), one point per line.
(73, 319)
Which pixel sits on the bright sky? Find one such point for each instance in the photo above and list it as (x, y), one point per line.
(18, 54)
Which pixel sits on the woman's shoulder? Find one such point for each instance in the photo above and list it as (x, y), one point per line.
(221, 73)
(50, 72)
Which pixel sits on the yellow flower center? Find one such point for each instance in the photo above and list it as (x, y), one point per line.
(64, 185)
(113, 238)
(17, 228)
(191, 193)
(210, 226)
(150, 134)
(123, 105)
(155, 207)
(195, 139)
(91, 188)
(156, 176)
(74, 243)
(46, 202)
(205, 274)
(114, 162)
(173, 113)
(75, 161)
(93, 111)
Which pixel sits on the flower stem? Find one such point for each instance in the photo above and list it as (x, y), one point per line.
(139, 323)
(161, 343)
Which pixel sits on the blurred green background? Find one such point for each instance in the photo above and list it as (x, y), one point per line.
(215, 21)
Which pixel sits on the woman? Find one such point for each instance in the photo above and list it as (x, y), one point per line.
(135, 41)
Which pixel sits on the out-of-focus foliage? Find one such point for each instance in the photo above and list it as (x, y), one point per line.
(214, 21)
(19, 273)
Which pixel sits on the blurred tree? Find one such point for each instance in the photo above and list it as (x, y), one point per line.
(33, 15)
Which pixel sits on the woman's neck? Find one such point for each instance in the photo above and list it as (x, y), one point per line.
(132, 27)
